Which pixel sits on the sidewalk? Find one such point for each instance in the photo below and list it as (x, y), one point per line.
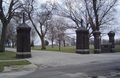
(16, 70)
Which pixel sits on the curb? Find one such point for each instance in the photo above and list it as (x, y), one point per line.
(16, 68)
(12, 60)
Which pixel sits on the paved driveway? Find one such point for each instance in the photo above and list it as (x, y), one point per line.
(54, 59)
(45, 59)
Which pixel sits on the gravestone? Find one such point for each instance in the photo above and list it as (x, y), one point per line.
(111, 35)
(23, 40)
(97, 48)
(82, 42)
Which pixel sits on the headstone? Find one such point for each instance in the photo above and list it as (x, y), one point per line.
(97, 48)
(111, 35)
(82, 42)
(23, 40)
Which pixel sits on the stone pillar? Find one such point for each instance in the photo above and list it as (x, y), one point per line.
(82, 42)
(23, 41)
(97, 41)
(111, 35)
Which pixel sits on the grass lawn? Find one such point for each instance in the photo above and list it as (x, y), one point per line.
(10, 56)
(117, 48)
(2, 64)
(68, 49)
(71, 49)
(63, 49)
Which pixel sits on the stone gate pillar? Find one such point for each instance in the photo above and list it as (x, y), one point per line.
(23, 41)
(111, 35)
(97, 41)
(82, 42)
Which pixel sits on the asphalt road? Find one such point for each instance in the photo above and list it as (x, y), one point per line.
(88, 70)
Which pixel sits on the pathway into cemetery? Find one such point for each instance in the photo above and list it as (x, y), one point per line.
(54, 59)
(45, 59)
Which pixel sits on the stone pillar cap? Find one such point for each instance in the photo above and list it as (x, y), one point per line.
(23, 26)
(82, 29)
(111, 33)
(96, 32)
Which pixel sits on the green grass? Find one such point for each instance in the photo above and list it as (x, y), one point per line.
(71, 49)
(91, 49)
(2, 64)
(117, 48)
(67, 49)
(63, 49)
(8, 55)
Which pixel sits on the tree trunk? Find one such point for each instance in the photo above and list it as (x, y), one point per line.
(52, 43)
(64, 43)
(96, 15)
(32, 44)
(3, 38)
(43, 43)
(59, 46)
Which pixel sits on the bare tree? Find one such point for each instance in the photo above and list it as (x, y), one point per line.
(33, 36)
(100, 12)
(40, 18)
(74, 10)
(95, 13)
(117, 42)
(105, 41)
(61, 28)
(73, 41)
(91, 41)
(56, 31)
(11, 34)
(5, 16)
(51, 34)
(64, 39)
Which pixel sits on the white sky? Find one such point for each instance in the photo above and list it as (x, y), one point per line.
(43, 1)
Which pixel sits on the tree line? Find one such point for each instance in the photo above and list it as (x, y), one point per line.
(117, 41)
(95, 14)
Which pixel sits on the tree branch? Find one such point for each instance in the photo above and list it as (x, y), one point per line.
(106, 12)
(1, 11)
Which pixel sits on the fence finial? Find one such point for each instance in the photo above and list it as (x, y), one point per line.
(23, 17)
